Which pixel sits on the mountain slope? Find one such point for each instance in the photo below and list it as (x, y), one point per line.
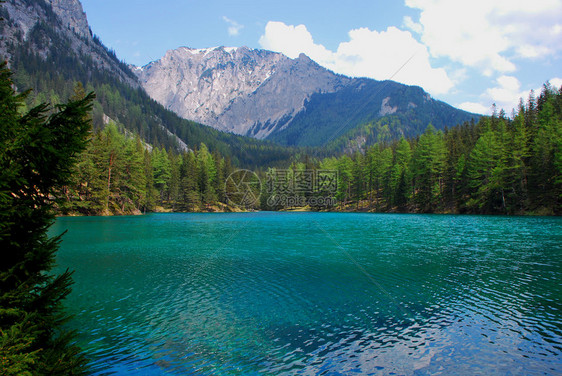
(56, 26)
(406, 110)
(49, 48)
(267, 95)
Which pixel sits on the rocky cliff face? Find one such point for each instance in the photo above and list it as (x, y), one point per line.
(72, 15)
(201, 84)
(239, 90)
(283, 95)
(21, 16)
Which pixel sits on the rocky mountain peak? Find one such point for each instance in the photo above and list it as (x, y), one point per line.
(236, 89)
(202, 84)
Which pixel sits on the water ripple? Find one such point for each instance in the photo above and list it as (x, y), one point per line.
(265, 293)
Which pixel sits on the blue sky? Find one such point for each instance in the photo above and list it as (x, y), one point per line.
(469, 54)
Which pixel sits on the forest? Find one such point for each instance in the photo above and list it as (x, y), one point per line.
(499, 165)
(119, 174)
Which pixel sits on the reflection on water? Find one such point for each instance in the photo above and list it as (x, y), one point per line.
(316, 293)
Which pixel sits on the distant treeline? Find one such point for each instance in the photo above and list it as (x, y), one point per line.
(502, 165)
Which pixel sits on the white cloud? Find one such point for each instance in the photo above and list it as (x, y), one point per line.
(505, 95)
(507, 91)
(530, 52)
(292, 41)
(489, 35)
(414, 26)
(391, 54)
(474, 107)
(233, 26)
(556, 82)
(459, 75)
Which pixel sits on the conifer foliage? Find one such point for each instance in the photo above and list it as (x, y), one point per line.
(37, 151)
(500, 165)
(119, 174)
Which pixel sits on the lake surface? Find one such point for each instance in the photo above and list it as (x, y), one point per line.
(316, 293)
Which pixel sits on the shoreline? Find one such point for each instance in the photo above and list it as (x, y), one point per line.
(306, 209)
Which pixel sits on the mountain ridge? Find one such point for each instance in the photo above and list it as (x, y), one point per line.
(264, 94)
(26, 21)
(231, 88)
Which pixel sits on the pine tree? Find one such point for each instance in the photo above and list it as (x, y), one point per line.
(345, 176)
(219, 182)
(97, 182)
(133, 184)
(545, 147)
(174, 189)
(485, 172)
(429, 157)
(189, 189)
(207, 175)
(358, 181)
(109, 185)
(519, 153)
(37, 153)
(151, 192)
(383, 173)
(401, 174)
(162, 172)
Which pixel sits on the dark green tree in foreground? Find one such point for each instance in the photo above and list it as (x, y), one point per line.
(37, 152)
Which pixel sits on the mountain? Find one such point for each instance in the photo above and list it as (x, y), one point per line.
(49, 46)
(240, 90)
(267, 95)
(56, 27)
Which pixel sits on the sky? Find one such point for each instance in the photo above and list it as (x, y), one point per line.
(469, 54)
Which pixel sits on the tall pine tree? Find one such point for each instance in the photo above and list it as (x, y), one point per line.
(37, 153)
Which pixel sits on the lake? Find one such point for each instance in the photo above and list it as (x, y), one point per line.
(316, 293)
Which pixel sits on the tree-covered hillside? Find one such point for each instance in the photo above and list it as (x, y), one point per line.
(120, 175)
(502, 165)
(332, 119)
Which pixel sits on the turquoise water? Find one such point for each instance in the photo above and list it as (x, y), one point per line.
(316, 293)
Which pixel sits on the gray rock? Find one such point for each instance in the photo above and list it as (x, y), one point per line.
(387, 109)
